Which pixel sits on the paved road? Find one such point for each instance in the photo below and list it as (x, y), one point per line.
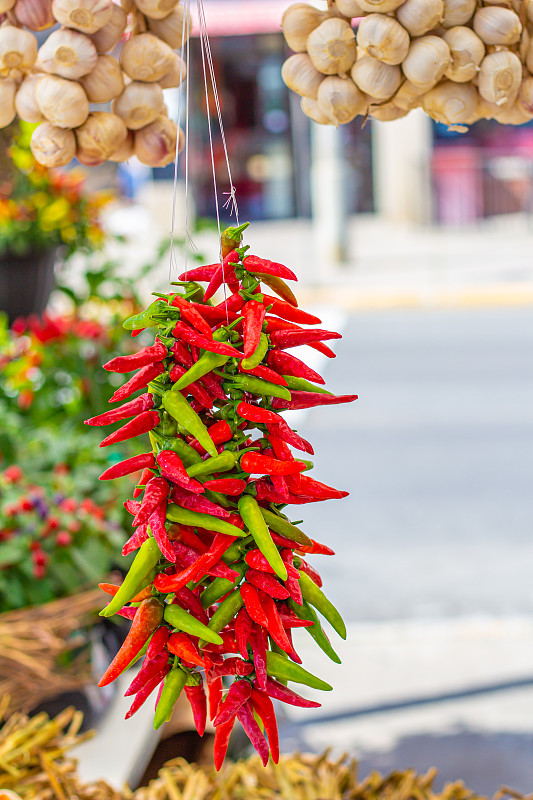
(438, 456)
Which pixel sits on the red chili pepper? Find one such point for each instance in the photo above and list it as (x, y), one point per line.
(230, 486)
(287, 311)
(196, 696)
(284, 432)
(317, 549)
(316, 490)
(172, 469)
(296, 338)
(250, 595)
(239, 692)
(187, 536)
(148, 355)
(110, 588)
(147, 619)
(230, 666)
(140, 380)
(311, 400)
(186, 598)
(292, 583)
(143, 694)
(245, 715)
(192, 315)
(254, 314)
(258, 644)
(256, 463)
(149, 670)
(243, 629)
(220, 747)
(233, 303)
(274, 625)
(157, 642)
(267, 583)
(215, 693)
(264, 372)
(311, 571)
(204, 273)
(274, 324)
(212, 385)
(142, 403)
(195, 502)
(146, 474)
(214, 315)
(128, 466)
(264, 708)
(220, 544)
(200, 394)
(256, 559)
(287, 364)
(265, 492)
(187, 334)
(256, 413)
(262, 266)
(156, 523)
(220, 432)
(155, 493)
(182, 355)
(143, 423)
(181, 645)
(132, 506)
(136, 540)
(286, 695)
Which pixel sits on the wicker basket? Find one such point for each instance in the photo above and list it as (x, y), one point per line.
(33, 643)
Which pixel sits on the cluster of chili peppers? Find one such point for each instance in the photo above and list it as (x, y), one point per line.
(221, 576)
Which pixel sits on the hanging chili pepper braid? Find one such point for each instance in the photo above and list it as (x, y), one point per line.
(219, 579)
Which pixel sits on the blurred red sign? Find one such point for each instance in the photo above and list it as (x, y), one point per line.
(240, 17)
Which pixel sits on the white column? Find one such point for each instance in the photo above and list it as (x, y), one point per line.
(328, 206)
(401, 160)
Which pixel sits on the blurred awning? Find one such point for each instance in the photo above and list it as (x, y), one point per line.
(240, 17)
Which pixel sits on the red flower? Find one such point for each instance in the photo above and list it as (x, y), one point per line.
(12, 474)
(63, 539)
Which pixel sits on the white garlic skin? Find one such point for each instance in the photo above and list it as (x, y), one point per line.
(375, 78)
(53, 146)
(68, 54)
(420, 16)
(156, 9)
(26, 100)
(298, 21)
(155, 145)
(497, 26)
(35, 14)
(99, 137)
(105, 82)
(62, 102)
(139, 104)
(458, 12)
(8, 90)
(299, 74)
(331, 47)
(312, 110)
(171, 29)
(383, 38)
(106, 38)
(427, 60)
(340, 99)
(146, 58)
(467, 52)
(18, 50)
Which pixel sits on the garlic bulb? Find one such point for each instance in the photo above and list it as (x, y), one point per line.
(467, 52)
(105, 82)
(18, 49)
(108, 37)
(452, 103)
(525, 96)
(495, 25)
(170, 29)
(331, 46)
(387, 112)
(126, 5)
(68, 54)
(427, 60)
(515, 114)
(8, 89)
(458, 12)
(35, 14)
(383, 38)
(52, 146)
(340, 99)
(62, 102)
(375, 78)
(312, 110)
(139, 104)
(529, 10)
(529, 57)
(298, 21)
(349, 8)
(300, 75)
(87, 16)
(156, 9)
(146, 58)
(155, 145)
(500, 76)
(99, 137)
(380, 6)
(26, 101)
(409, 96)
(126, 149)
(177, 74)
(6, 5)
(420, 16)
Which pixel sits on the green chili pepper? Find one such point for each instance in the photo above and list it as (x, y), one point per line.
(198, 520)
(235, 551)
(316, 597)
(172, 688)
(221, 463)
(142, 320)
(167, 426)
(249, 383)
(143, 563)
(216, 497)
(285, 670)
(188, 454)
(206, 363)
(221, 586)
(179, 618)
(252, 517)
(179, 408)
(257, 356)
(305, 611)
(225, 612)
(231, 238)
(302, 385)
(285, 528)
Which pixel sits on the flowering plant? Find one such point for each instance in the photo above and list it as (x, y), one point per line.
(51, 541)
(42, 208)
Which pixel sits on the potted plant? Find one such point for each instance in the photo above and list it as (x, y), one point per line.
(43, 214)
